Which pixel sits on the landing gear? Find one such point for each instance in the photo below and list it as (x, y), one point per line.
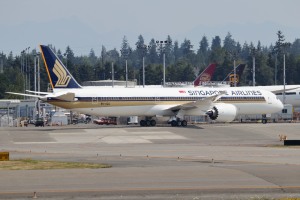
(264, 119)
(148, 122)
(179, 122)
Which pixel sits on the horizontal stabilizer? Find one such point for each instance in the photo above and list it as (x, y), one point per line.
(36, 92)
(26, 95)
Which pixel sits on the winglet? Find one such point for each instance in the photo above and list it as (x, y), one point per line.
(205, 75)
(58, 74)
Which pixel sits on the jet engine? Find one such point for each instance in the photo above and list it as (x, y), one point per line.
(222, 113)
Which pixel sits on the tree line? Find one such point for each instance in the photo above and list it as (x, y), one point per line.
(183, 63)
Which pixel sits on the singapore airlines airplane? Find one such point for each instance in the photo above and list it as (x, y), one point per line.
(220, 104)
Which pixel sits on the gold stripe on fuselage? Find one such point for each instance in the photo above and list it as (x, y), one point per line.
(91, 104)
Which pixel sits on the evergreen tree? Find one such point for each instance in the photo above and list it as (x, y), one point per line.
(168, 50)
(203, 53)
(152, 57)
(92, 57)
(141, 51)
(186, 48)
(217, 53)
(176, 51)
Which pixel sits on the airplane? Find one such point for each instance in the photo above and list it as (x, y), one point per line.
(292, 93)
(219, 104)
(200, 80)
(229, 78)
(205, 75)
(239, 71)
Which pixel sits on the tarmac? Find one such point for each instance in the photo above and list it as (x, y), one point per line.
(206, 161)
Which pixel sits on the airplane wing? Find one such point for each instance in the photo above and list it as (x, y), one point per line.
(204, 103)
(282, 90)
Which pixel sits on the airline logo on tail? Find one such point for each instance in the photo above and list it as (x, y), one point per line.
(233, 79)
(58, 74)
(206, 75)
(63, 78)
(239, 71)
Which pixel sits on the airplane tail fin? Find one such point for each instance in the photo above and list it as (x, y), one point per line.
(239, 71)
(58, 74)
(205, 75)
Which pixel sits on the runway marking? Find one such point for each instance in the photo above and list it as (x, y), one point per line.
(141, 137)
(109, 137)
(124, 140)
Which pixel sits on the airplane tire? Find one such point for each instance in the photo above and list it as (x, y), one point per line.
(152, 122)
(142, 123)
(148, 123)
(184, 123)
(174, 123)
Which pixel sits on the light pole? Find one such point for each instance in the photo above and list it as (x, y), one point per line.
(275, 74)
(34, 60)
(66, 57)
(253, 53)
(283, 79)
(125, 53)
(161, 45)
(113, 74)
(28, 69)
(143, 48)
(23, 69)
(233, 54)
(234, 72)
(37, 78)
(285, 46)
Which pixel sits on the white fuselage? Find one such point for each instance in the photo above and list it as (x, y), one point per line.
(164, 101)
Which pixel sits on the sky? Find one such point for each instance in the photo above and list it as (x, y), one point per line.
(89, 24)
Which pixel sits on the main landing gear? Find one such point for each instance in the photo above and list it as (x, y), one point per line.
(174, 121)
(178, 122)
(148, 122)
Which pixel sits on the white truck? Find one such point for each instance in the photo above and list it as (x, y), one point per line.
(132, 120)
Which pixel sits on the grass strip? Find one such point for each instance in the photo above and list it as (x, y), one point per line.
(29, 164)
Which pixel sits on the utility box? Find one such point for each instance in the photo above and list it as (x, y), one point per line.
(4, 156)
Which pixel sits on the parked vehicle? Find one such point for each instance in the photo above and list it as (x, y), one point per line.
(106, 121)
(39, 122)
(132, 120)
